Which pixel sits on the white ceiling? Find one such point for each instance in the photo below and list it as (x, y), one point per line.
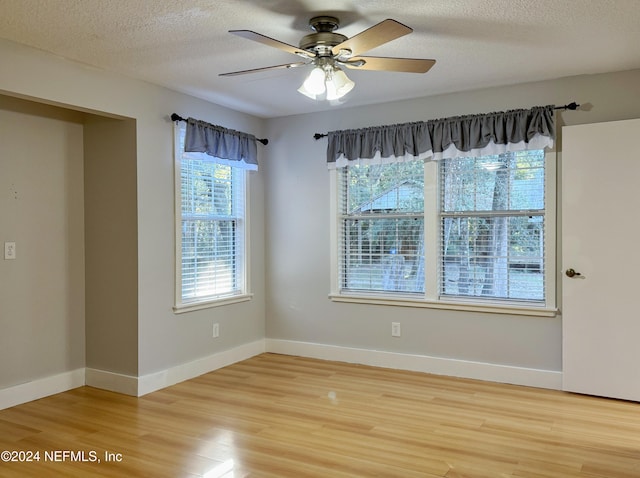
(184, 45)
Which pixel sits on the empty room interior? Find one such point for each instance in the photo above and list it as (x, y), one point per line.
(248, 238)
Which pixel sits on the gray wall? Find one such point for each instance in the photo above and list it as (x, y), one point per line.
(41, 210)
(298, 268)
(111, 237)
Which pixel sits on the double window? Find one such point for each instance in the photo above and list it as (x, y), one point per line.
(476, 230)
(210, 229)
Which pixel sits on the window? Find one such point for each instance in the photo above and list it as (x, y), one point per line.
(210, 229)
(382, 228)
(492, 218)
(476, 231)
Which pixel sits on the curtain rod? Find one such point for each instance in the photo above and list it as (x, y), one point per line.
(571, 106)
(176, 117)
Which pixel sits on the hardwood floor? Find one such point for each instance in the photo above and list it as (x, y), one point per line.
(281, 416)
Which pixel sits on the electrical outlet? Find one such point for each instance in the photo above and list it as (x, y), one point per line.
(9, 250)
(216, 330)
(395, 329)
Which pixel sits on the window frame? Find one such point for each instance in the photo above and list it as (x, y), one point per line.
(431, 298)
(242, 258)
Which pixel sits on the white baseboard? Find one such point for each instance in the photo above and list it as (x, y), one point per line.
(26, 392)
(421, 363)
(155, 381)
(114, 382)
(138, 386)
(126, 384)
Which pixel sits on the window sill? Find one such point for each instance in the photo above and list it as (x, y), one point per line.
(190, 307)
(443, 304)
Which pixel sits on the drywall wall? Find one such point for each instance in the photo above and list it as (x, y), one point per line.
(164, 339)
(111, 238)
(41, 210)
(298, 268)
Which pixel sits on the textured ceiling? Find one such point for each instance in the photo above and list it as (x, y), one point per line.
(184, 45)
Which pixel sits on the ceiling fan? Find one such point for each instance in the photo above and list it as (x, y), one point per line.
(327, 51)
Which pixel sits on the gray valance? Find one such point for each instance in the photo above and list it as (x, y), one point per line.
(223, 143)
(472, 135)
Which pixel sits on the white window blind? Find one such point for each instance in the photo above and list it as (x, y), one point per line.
(492, 226)
(382, 227)
(211, 222)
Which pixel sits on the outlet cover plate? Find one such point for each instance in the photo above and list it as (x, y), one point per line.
(9, 250)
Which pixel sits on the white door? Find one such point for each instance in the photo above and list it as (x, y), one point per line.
(600, 191)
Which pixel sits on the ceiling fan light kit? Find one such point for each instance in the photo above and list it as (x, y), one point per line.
(327, 50)
(326, 81)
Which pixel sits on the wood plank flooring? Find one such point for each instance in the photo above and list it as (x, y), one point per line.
(278, 416)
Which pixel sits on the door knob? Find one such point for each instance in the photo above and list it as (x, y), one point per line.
(571, 273)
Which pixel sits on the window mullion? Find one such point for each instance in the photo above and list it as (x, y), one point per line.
(431, 230)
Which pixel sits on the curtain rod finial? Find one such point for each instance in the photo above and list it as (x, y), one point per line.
(571, 106)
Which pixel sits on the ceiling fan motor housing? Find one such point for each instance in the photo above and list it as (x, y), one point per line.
(324, 38)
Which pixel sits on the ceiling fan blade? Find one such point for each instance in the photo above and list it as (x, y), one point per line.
(266, 68)
(407, 65)
(383, 32)
(265, 40)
